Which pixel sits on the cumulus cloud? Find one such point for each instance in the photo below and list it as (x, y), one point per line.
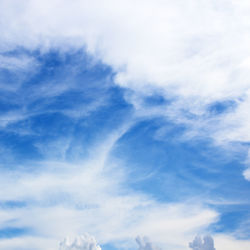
(206, 244)
(83, 242)
(145, 244)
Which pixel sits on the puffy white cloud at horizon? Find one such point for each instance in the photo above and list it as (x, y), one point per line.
(83, 242)
(145, 244)
(206, 244)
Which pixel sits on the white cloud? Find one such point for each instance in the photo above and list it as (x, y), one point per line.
(83, 242)
(225, 242)
(206, 244)
(246, 174)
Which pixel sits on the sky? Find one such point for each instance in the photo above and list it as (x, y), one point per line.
(124, 124)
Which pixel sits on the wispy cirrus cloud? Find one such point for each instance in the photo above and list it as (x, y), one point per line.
(188, 52)
(64, 199)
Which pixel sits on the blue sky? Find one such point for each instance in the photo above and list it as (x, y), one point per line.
(121, 123)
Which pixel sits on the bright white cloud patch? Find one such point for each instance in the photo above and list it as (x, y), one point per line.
(246, 174)
(206, 244)
(83, 242)
(225, 242)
